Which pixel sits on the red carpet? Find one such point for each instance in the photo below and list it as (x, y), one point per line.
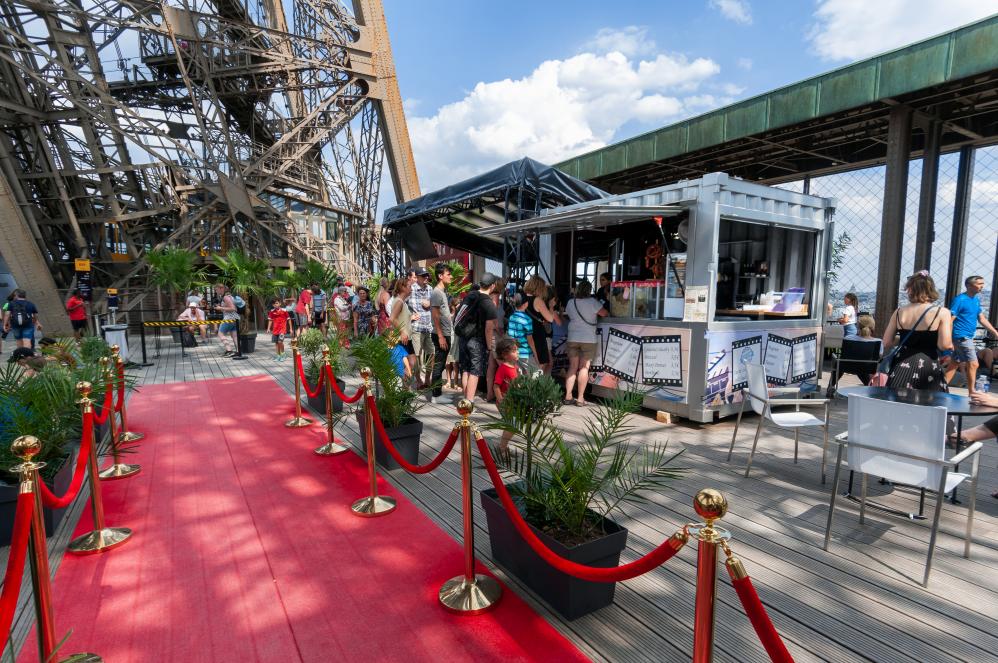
(245, 550)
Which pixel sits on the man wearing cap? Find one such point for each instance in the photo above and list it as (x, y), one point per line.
(193, 313)
(475, 341)
(422, 327)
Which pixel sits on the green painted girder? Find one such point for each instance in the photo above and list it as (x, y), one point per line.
(960, 54)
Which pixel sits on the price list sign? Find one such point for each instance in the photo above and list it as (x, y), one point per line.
(662, 360)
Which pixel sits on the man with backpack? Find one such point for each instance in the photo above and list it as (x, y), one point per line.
(21, 318)
(230, 320)
(475, 329)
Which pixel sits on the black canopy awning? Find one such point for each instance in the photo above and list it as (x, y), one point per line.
(455, 214)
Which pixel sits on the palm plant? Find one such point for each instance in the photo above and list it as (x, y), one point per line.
(396, 403)
(314, 271)
(174, 269)
(459, 284)
(568, 489)
(245, 276)
(310, 344)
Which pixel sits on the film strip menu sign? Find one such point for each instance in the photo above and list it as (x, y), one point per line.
(744, 351)
(596, 365)
(662, 360)
(777, 363)
(805, 358)
(621, 356)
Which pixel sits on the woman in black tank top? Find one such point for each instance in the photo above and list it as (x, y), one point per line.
(924, 335)
(536, 291)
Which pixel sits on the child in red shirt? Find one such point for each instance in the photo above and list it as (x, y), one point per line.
(277, 325)
(508, 354)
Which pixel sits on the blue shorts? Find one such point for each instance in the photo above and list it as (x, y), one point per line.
(23, 333)
(228, 327)
(964, 350)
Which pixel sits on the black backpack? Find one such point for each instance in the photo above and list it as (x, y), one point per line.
(19, 314)
(467, 322)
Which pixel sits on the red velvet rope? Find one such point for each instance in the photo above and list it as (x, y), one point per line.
(304, 380)
(641, 565)
(407, 466)
(121, 388)
(764, 628)
(15, 563)
(48, 497)
(106, 405)
(336, 388)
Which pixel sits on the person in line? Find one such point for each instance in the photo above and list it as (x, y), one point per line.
(343, 310)
(77, 310)
(584, 312)
(496, 296)
(443, 328)
(319, 299)
(192, 314)
(452, 371)
(289, 306)
(364, 323)
(508, 354)
(520, 328)
(277, 325)
(400, 318)
(422, 328)
(848, 314)
(21, 318)
(539, 310)
(381, 304)
(923, 329)
(966, 315)
(3, 312)
(303, 309)
(603, 292)
(477, 333)
(230, 320)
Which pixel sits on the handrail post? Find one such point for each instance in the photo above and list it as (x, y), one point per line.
(331, 447)
(373, 504)
(711, 506)
(298, 421)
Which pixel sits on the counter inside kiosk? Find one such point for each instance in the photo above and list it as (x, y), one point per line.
(705, 276)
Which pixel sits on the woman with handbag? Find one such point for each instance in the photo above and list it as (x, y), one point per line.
(926, 340)
(583, 312)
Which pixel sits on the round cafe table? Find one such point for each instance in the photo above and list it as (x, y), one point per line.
(956, 406)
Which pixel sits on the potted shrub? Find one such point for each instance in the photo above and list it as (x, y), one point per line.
(396, 404)
(567, 491)
(310, 345)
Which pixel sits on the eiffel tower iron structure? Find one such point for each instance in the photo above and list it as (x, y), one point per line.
(128, 125)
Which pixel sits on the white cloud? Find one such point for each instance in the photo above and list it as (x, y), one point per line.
(855, 29)
(562, 108)
(632, 40)
(744, 63)
(733, 10)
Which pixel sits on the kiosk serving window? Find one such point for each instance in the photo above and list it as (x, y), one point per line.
(764, 271)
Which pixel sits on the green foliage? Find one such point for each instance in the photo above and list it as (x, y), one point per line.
(310, 345)
(840, 245)
(289, 281)
(174, 269)
(568, 488)
(314, 271)
(458, 284)
(92, 348)
(247, 277)
(395, 401)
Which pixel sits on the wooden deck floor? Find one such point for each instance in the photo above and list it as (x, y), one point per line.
(859, 601)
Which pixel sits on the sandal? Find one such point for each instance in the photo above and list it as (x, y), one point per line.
(569, 401)
(581, 403)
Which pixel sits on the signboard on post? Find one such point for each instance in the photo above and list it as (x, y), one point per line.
(83, 282)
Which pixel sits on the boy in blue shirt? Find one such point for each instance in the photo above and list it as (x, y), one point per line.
(521, 329)
(966, 310)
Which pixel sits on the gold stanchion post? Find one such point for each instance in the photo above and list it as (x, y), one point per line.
(117, 470)
(374, 504)
(711, 506)
(125, 435)
(101, 538)
(298, 421)
(331, 447)
(471, 593)
(27, 447)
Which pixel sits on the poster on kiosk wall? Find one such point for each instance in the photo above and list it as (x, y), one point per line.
(655, 358)
(790, 357)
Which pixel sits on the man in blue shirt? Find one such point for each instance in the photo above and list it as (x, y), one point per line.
(966, 310)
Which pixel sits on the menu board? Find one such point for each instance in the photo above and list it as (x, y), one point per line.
(805, 364)
(662, 360)
(744, 351)
(597, 363)
(778, 355)
(621, 355)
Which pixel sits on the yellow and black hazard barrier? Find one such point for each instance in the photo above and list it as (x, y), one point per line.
(181, 323)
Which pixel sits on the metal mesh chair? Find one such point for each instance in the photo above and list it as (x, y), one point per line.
(858, 357)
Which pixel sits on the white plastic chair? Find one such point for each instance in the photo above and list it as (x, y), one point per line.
(759, 394)
(904, 444)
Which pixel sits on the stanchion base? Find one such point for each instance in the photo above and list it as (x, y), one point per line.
(332, 449)
(463, 598)
(83, 658)
(298, 422)
(369, 507)
(119, 471)
(129, 436)
(99, 540)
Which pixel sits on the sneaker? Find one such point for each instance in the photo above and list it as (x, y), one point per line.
(228, 353)
(441, 400)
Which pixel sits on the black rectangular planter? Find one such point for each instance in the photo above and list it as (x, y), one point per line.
(247, 343)
(318, 403)
(52, 517)
(570, 597)
(405, 438)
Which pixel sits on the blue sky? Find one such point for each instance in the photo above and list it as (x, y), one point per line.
(485, 83)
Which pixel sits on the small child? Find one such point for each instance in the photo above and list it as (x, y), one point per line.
(521, 328)
(277, 325)
(507, 353)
